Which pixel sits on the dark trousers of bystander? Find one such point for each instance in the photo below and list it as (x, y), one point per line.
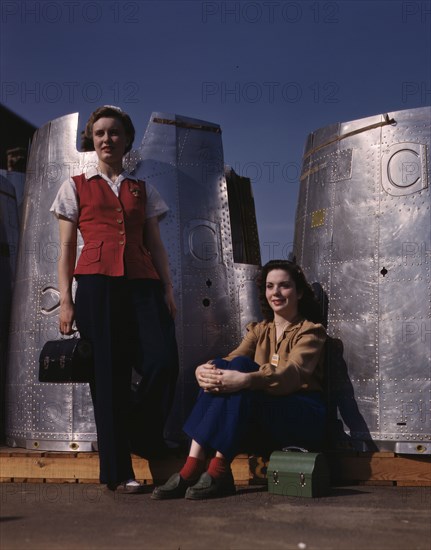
(126, 321)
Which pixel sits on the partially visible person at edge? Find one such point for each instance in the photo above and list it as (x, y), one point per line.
(271, 384)
(124, 303)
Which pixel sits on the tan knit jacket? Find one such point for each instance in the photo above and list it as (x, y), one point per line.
(299, 353)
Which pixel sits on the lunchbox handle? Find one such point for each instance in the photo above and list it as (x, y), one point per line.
(294, 449)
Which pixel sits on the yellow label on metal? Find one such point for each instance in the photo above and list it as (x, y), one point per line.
(318, 218)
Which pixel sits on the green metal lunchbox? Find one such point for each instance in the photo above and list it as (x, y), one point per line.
(298, 473)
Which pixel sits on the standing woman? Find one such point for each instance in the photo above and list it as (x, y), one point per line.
(124, 303)
(272, 381)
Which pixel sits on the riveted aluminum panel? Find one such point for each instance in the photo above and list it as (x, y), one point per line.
(42, 415)
(247, 298)
(370, 252)
(183, 159)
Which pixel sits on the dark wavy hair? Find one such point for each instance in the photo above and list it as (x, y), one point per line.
(308, 306)
(108, 111)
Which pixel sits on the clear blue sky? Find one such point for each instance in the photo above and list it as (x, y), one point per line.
(268, 72)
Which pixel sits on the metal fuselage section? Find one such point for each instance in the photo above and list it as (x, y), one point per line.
(363, 233)
(213, 274)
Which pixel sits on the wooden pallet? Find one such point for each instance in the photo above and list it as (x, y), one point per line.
(383, 468)
(19, 465)
(71, 467)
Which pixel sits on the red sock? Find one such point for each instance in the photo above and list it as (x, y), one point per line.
(193, 468)
(218, 467)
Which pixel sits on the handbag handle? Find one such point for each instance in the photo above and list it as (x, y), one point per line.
(75, 334)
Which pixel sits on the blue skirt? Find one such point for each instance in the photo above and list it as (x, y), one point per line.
(223, 422)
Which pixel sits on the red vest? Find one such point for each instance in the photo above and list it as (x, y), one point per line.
(112, 229)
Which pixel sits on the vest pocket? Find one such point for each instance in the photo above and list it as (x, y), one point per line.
(91, 253)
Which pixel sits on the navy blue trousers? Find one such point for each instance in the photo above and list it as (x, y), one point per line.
(129, 325)
(229, 423)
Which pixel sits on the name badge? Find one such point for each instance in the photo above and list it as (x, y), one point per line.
(274, 360)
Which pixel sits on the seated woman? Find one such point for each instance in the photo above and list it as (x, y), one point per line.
(273, 379)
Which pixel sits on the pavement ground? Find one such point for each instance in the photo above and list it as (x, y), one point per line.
(50, 516)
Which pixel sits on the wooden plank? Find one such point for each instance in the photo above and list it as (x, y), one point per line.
(377, 454)
(85, 454)
(141, 468)
(35, 480)
(60, 454)
(376, 468)
(241, 469)
(61, 480)
(45, 467)
(25, 452)
(5, 451)
(85, 480)
(401, 469)
(378, 483)
(372, 468)
(8, 450)
(413, 483)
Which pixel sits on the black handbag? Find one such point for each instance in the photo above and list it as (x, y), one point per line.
(66, 360)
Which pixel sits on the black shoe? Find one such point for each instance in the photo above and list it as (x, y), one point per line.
(208, 487)
(175, 487)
